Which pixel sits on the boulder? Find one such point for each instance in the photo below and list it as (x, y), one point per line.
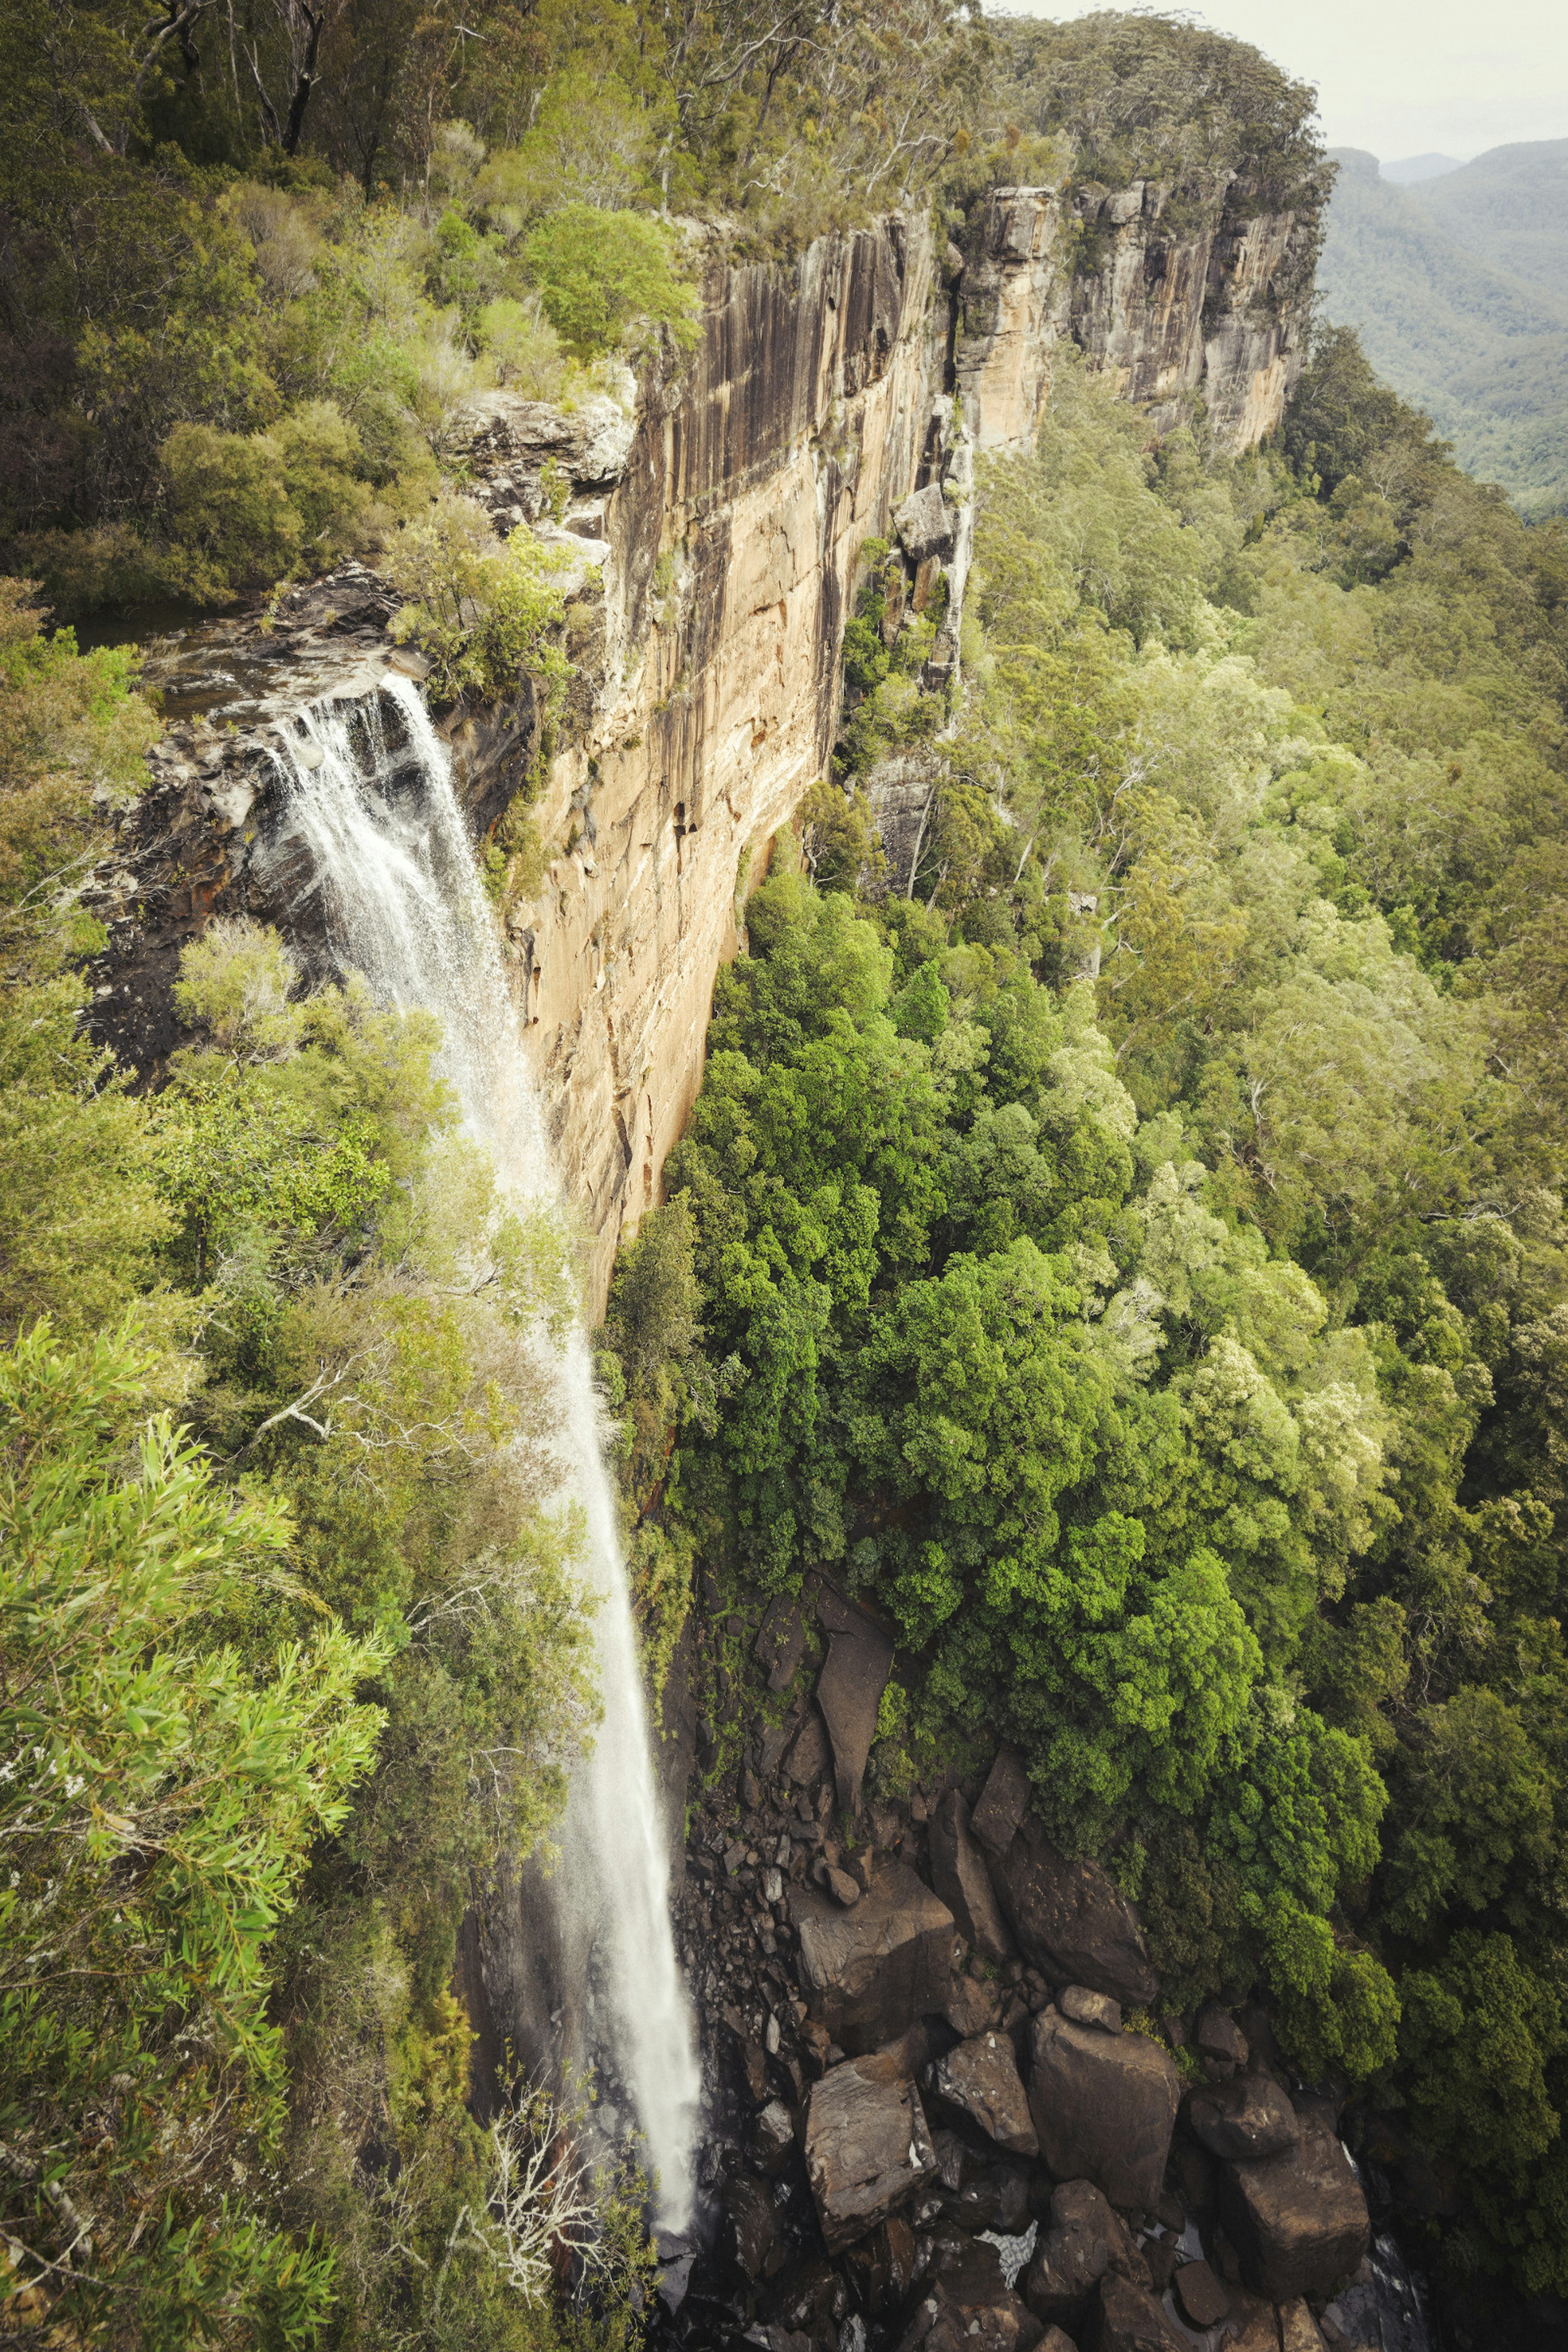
(925, 524)
(849, 1688)
(754, 2227)
(1203, 2297)
(959, 1876)
(1247, 2118)
(1131, 2320)
(980, 2081)
(1086, 2008)
(773, 2136)
(1217, 2035)
(1253, 2326)
(1071, 1920)
(967, 2306)
(1003, 1802)
(780, 1642)
(1298, 2221)
(846, 1891)
(972, 2007)
(1104, 2106)
(1300, 2332)
(867, 1974)
(866, 2147)
(881, 2268)
(1084, 2242)
(809, 1755)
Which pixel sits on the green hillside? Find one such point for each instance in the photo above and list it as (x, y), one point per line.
(1510, 206)
(1436, 283)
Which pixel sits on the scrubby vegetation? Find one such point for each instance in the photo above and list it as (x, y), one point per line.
(291, 1641)
(1136, 1255)
(254, 269)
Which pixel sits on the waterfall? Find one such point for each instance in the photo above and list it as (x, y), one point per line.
(405, 906)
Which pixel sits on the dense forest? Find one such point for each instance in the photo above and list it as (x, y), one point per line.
(1130, 1251)
(1135, 1255)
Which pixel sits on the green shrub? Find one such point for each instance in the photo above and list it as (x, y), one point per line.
(608, 278)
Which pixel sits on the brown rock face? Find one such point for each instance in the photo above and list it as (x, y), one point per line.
(961, 1878)
(1085, 2240)
(1003, 1802)
(1104, 2107)
(1249, 2117)
(850, 1686)
(1071, 1920)
(980, 2081)
(866, 2147)
(1299, 2220)
(1131, 2321)
(867, 1974)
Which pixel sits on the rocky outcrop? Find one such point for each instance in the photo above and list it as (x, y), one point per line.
(1084, 2242)
(1071, 1920)
(979, 2083)
(1247, 2117)
(850, 1686)
(1179, 292)
(1297, 2219)
(1104, 2107)
(868, 1973)
(963, 1883)
(866, 2147)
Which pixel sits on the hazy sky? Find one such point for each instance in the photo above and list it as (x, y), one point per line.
(1443, 75)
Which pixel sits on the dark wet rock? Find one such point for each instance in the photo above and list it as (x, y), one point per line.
(1104, 2106)
(1003, 1802)
(809, 1755)
(880, 2268)
(773, 2138)
(867, 1974)
(980, 2081)
(999, 2197)
(810, 2299)
(967, 2306)
(1071, 1921)
(1217, 2035)
(1205, 2299)
(1131, 2320)
(1084, 2242)
(1086, 2008)
(961, 1878)
(1247, 2117)
(850, 1685)
(754, 2227)
(1195, 2174)
(781, 1644)
(1298, 2221)
(866, 2147)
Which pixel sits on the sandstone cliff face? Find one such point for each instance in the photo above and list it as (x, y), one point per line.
(1172, 291)
(714, 518)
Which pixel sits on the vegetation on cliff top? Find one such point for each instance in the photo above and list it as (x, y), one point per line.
(1136, 1256)
(254, 272)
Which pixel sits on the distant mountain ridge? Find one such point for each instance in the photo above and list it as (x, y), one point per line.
(1457, 284)
(1405, 174)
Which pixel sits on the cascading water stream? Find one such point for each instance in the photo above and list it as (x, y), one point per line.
(404, 906)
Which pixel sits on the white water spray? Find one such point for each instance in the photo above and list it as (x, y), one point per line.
(405, 906)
